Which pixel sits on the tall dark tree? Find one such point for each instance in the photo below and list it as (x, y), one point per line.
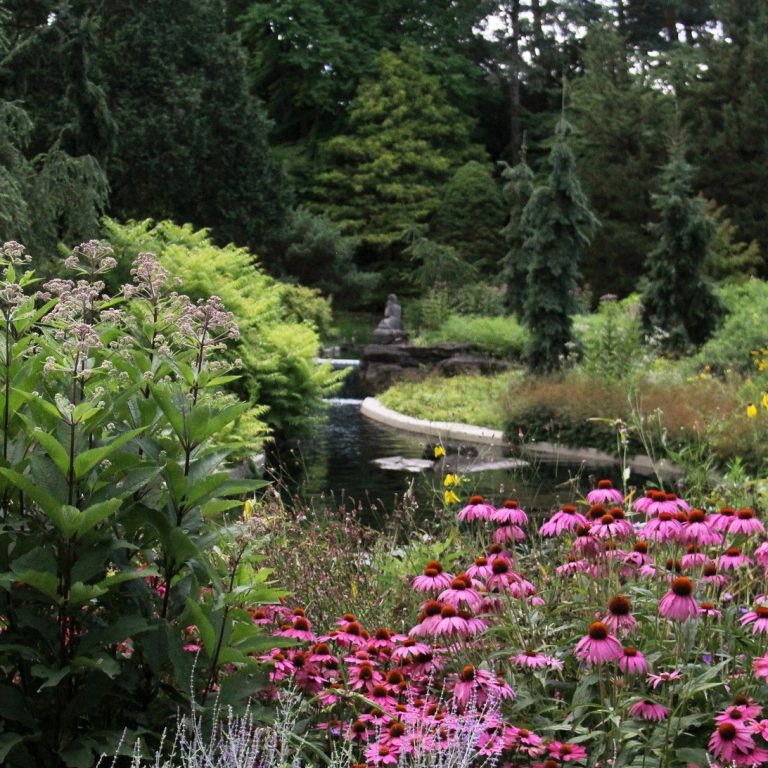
(621, 120)
(518, 190)
(307, 58)
(677, 299)
(726, 111)
(193, 143)
(559, 223)
(470, 217)
(404, 141)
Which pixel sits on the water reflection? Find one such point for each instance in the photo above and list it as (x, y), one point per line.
(337, 462)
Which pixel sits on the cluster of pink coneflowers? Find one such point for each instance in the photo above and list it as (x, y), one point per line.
(688, 570)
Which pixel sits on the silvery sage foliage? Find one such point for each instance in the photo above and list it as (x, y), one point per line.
(115, 489)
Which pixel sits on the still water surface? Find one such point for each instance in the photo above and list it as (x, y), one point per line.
(336, 463)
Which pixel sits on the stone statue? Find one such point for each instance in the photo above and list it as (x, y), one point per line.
(390, 329)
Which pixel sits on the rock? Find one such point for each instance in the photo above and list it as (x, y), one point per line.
(403, 464)
(465, 364)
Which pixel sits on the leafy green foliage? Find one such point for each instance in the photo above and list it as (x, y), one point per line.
(278, 322)
(500, 336)
(728, 258)
(739, 340)
(113, 464)
(677, 299)
(558, 222)
(620, 119)
(404, 140)
(470, 217)
(193, 141)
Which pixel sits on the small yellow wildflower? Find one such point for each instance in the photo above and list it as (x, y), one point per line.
(751, 411)
(247, 509)
(449, 497)
(112, 571)
(764, 401)
(451, 480)
(439, 451)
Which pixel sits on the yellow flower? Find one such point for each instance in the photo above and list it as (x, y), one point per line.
(764, 401)
(751, 411)
(439, 451)
(247, 510)
(449, 497)
(451, 480)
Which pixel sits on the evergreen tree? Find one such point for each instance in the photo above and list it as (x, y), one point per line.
(726, 111)
(514, 272)
(193, 143)
(677, 299)
(558, 223)
(470, 217)
(621, 119)
(405, 139)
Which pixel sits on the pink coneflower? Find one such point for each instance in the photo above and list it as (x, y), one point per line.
(722, 519)
(758, 617)
(428, 618)
(523, 740)
(364, 677)
(260, 616)
(605, 493)
(760, 667)
(585, 544)
(351, 634)
(709, 611)
(501, 574)
(607, 527)
(479, 685)
(694, 557)
(645, 709)
(664, 677)
(697, 530)
(321, 654)
(573, 565)
(746, 523)
(665, 527)
(510, 513)
(740, 715)
(564, 751)
(359, 730)
(475, 625)
(383, 639)
(761, 555)
(480, 569)
(633, 662)
(622, 520)
(299, 629)
(508, 533)
(710, 575)
(476, 509)
(619, 618)
(598, 645)
(733, 559)
(655, 502)
(535, 660)
(434, 578)
(729, 741)
(408, 650)
(566, 519)
(377, 753)
(450, 623)
(460, 592)
(678, 604)
(381, 696)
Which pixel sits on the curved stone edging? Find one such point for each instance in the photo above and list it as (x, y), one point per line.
(449, 430)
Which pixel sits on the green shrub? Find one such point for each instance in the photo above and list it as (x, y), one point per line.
(502, 336)
(743, 331)
(611, 340)
(464, 399)
(279, 322)
(114, 479)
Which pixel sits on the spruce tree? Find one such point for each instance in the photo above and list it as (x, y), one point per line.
(677, 298)
(404, 142)
(471, 215)
(558, 223)
(514, 270)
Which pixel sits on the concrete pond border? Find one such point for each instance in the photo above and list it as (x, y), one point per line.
(372, 409)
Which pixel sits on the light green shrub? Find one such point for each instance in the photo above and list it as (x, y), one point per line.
(500, 335)
(279, 322)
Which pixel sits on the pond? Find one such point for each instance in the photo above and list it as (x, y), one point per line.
(335, 467)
